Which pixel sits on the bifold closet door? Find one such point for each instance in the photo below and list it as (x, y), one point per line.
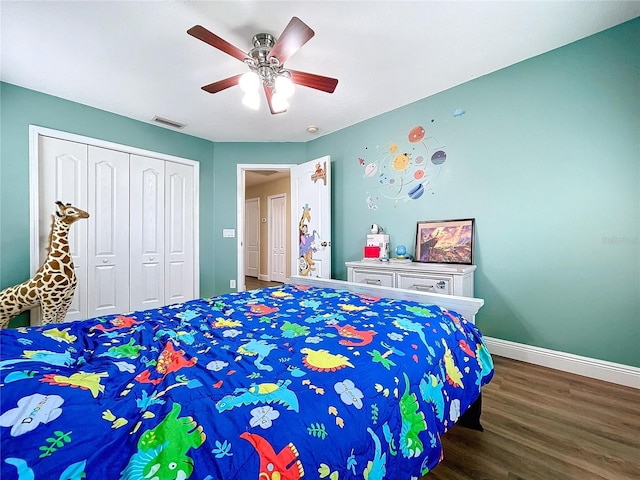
(108, 239)
(62, 175)
(137, 249)
(179, 237)
(147, 250)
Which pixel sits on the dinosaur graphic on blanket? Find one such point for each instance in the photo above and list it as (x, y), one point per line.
(169, 361)
(365, 337)
(162, 451)
(259, 348)
(431, 392)
(261, 393)
(376, 468)
(85, 381)
(408, 325)
(283, 465)
(119, 323)
(128, 350)
(413, 423)
(45, 356)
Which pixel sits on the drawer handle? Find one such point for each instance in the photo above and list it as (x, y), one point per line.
(370, 281)
(441, 284)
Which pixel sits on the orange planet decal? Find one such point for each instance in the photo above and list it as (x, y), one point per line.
(416, 134)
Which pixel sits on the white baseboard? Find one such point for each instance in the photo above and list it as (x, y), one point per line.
(567, 362)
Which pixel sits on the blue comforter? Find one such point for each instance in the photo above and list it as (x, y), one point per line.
(277, 384)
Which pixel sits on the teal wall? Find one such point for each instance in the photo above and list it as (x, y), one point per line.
(546, 159)
(227, 158)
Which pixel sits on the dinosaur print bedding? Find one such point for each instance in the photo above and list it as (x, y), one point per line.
(280, 383)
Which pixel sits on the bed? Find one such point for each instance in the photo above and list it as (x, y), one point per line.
(315, 379)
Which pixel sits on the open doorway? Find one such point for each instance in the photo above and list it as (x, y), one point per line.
(264, 245)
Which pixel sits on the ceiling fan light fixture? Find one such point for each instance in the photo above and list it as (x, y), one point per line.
(251, 100)
(284, 86)
(250, 82)
(266, 62)
(279, 103)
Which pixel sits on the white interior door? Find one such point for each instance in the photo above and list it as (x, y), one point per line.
(108, 243)
(252, 237)
(62, 170)
(147, 232)
(311, 218)
(277, 221)
(180, 233)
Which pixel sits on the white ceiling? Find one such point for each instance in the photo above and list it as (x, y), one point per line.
(135, 58)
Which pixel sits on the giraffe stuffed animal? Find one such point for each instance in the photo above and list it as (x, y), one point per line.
(54, 283)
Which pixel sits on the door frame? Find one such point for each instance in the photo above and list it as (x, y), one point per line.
(36, 131)
(241, 168)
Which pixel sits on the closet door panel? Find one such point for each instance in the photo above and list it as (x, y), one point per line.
(147, 262)
(108, 246)
(179, 217)
(62, 173)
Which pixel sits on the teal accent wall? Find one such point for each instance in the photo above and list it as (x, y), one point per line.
(20, 108)
(227, 158)
(546, 159)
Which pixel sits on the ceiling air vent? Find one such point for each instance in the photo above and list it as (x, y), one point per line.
(168, 123)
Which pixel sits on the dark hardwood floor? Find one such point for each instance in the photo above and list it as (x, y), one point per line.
(251, 283)
(545, 424)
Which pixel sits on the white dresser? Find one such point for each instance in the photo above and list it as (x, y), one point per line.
(447, 279)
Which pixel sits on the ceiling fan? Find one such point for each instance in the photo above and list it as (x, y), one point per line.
(266, 63)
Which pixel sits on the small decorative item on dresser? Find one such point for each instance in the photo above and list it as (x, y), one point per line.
(445, 241)
(401, 255)
(371, 252)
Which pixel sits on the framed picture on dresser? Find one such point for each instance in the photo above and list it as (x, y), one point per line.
(445, 241)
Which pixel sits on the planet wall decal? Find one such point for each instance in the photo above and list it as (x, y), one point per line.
(402, 169)
(439, 157)
(416, 192)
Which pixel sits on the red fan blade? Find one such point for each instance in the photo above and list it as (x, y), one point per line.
(268, 91)
(294, 36)
(220, 85)
(311, 80)
(212, 39)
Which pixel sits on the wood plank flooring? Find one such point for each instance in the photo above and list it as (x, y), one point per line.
(251, 283)
(545, 424)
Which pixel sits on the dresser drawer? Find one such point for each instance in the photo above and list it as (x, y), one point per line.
(373, 277)
(426, 283)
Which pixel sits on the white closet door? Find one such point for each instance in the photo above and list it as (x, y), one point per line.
(108, 243)
(147, 262)
(179, 237)
(62, 173)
